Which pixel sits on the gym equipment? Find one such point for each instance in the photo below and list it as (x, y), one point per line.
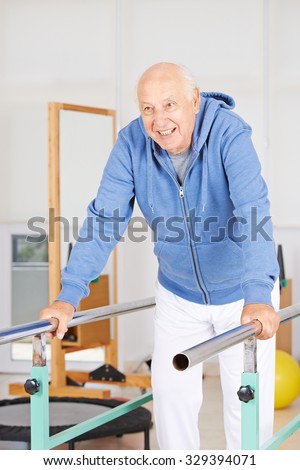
(39, 378)
(287, 379)
(66, 412)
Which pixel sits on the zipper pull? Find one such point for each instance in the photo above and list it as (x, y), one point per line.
(181, 192)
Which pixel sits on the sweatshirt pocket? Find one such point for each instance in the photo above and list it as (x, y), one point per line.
(174, 261)
(221, 264)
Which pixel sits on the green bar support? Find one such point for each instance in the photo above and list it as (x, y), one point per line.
(39, 415)
(282, 435)
(39, 410)
(98, 420)
(250, 413)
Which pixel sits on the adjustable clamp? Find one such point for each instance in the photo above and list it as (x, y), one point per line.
(245, 393)
(32, 386)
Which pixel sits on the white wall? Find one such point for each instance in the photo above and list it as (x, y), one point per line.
(284, 115)
(65, 50)
(283, 165)
(49, 51)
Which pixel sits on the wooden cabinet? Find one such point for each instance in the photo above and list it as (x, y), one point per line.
(96, 333)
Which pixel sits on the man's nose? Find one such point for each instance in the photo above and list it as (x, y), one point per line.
(160, 117)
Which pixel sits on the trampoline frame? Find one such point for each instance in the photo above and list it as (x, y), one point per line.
(136, 421)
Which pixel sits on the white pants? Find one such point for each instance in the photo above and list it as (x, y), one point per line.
(177, 396)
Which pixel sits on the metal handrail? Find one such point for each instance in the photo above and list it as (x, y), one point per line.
(17, 332)
(203, 351)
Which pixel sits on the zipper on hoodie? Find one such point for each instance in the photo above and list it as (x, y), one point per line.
(181, 193)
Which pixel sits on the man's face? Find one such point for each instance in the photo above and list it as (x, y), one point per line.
(167, 110)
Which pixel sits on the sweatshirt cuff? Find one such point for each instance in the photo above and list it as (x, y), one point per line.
(71, 294)
(257, 293)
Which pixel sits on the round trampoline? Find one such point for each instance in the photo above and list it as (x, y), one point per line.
(66, 412)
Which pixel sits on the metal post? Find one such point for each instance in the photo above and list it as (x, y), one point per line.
(250, 413)
(39, 410)
(249, 396)
(39, 400)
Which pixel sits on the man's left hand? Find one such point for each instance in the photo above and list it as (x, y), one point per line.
(267, 316)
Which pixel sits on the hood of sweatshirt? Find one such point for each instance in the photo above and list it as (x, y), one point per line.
(210, 104)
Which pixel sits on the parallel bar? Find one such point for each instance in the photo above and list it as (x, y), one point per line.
(207, 349)
(109, 311)
(15, 333)
(211, 347)
(27, 329)
(289, 313)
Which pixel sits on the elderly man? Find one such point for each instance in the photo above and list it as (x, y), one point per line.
(190, 163)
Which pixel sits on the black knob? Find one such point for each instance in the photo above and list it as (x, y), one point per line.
(245, 393)
(32, 386)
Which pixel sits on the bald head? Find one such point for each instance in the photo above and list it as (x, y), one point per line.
(169, 101)
(163, 70)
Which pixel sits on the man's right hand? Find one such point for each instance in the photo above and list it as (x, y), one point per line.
(63, 312)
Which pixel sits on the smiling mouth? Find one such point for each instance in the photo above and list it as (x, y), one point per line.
(167, 132)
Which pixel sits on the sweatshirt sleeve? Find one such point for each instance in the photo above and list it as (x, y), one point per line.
(107, 218)
(249, 194)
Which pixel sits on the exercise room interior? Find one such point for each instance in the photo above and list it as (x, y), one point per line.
(69, 72)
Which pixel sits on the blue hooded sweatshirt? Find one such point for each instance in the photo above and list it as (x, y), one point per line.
(212, 233)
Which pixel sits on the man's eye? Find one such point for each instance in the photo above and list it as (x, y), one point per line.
(170, 105)
(147, 110)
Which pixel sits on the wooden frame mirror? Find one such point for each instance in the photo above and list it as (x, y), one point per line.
(72, 185)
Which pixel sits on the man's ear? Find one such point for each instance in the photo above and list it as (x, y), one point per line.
(196, 100)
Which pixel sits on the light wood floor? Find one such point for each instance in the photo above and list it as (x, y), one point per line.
(210, 421)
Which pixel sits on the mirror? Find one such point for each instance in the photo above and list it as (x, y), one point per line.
(85, 144)
(80, 141)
